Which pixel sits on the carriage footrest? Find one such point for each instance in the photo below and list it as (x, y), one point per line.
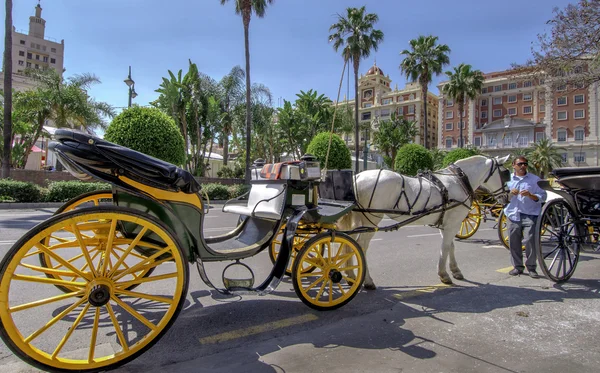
(238, 285)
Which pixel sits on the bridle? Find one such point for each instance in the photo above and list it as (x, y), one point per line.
(504, 174)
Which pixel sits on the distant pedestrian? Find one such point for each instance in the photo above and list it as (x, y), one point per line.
(522, 211)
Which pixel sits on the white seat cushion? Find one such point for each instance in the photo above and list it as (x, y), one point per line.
(264, 201)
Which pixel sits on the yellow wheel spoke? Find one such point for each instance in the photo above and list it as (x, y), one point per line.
(54, 320)
(134, 313)
(71, 330)
(321, 290)
(109, 244)
(62, 261)
(46, 280)
(50, 271)
(344, 259)
(134, 294)
(310, 274)
(94, 335)
(139, 266)
(349, 280)
(341, 289)
(314, 283)
(123, 285)
(348, 268)
(41, 302)
(312, 262)
(128, 250)
(117, 327)
(84, 250)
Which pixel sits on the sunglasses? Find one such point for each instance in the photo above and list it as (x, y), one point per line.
(522, 164)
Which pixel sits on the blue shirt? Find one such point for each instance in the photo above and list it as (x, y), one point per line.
(524, 205)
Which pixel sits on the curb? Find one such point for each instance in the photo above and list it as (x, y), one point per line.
(46, 205)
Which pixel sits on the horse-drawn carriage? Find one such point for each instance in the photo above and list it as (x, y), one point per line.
(569, 223)
(92, 288)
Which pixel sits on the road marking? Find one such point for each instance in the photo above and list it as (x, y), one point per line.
(376, 239)
(504, 270)
(257, 329)
(492, 246)
(423, 235)
(421, 291)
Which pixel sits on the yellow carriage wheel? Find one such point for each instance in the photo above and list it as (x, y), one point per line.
(299, 240)
(339, 271)
(471, 223)
(94, 198)
(98, 324)
(503, 231)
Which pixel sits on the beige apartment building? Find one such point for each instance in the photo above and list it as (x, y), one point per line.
(378, 101)
(34, 50)
(514, 112)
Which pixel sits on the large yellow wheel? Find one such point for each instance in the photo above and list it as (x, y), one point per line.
(471, 223)
(86, 200)
(299, 240)
(503, 231)
(339, 271)
(98, 324)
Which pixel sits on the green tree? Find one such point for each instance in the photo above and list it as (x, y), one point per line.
(464, 83)
(339, 154)
(232, 92)
(7, 69)
(150, 131)
(438, 156)
(245, 8)
(393, 134)
(544, 157)
(424, 59)
(456, 154)
(355, 34)
(411, 158)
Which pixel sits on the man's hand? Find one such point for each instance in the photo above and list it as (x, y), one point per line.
(514, 191)
(525, 193)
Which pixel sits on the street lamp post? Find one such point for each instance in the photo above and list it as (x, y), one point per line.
(131, 84)
(374, 124)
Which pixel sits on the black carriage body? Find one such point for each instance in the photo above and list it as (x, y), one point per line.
(581, 189)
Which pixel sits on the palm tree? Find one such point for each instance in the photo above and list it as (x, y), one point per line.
(393, 134)
(425, 58)
(464, 84)
(545, 157)
(7, 68)
(356, 35)
(232, 88)
(245, 8)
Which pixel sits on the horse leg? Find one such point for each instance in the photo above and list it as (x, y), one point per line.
(363, 241)
(447, 247)
(456, 273)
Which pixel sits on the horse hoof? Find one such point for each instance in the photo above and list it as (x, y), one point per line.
(370, 287)
(458, 276)
(446, 280)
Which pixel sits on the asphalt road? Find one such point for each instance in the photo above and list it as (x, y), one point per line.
(490, 322)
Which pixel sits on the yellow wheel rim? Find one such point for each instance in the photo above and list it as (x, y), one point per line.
(471, 223)
(299, 240)
(87, 200)
(338, 272)
(503, 227)
(99, 323)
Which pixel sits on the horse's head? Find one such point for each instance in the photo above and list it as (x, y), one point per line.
(496, 178)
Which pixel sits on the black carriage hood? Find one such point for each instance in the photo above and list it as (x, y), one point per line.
(105, 160)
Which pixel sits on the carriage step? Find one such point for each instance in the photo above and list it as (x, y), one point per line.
(237, 285)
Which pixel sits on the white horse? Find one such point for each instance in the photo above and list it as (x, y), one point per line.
(381, 191)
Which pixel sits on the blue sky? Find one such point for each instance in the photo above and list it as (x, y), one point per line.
(289, 47)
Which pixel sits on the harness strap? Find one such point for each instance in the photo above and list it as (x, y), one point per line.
(375, 187)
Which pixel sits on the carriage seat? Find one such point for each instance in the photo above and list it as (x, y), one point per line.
(265, 200)
(575, 171)
(104, 157)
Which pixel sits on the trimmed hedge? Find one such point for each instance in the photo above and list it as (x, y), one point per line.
(19, 191)
(411, 158)
(62, 191)
(339, 155)
(457, 154)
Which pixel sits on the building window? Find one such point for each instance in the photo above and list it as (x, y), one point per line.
(579, 134)
(386, 101)
(579, 157)
(28, 64)
(579, 114)
(497, 100)
(539, 136)
(37, 66)
(29, 56)
(22, 53)
(561, 115)
(462, 124)
(492, 140)
(527, 97)
(580, 85)
(385, 112)
(449, 114)
(527, 110)
(367, 104)
(449, 142)
(37, 46)
(484, 114)
(32, 45)
(366, 116)
(483, 102)
(45, 59)
(37, 57)
(564, 157)
(449, 102)
(497, 113)
(477, 141)
(561, 88)
(52, 60)
(579, 99)
(542, 108)
(411, 109)
(53, 50)
(507, 139)
(512, 111)
(561, 135)
(449, 126)
(512, 86)
(512, 98)
(523, 139)
(561, 101)
(44, 48)
(484, 90)
(21, 63)
(22, 42)
(527, 84)
(497, 88)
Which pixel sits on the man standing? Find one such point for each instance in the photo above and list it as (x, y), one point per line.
(522, 211)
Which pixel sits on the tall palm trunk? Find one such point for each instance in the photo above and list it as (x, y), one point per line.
(424, 112)
(356, 61)
(246, 15)
(7, 92)
(185, 136)
(226, 130)
(461, 108)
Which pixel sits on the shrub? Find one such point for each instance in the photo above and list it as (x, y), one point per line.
(339, 155)
(237, 190)
(150, 131)
(456, 154)
(237, 172)
(216, 191)
(62, 191)
(411, 158)
(19, 191)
